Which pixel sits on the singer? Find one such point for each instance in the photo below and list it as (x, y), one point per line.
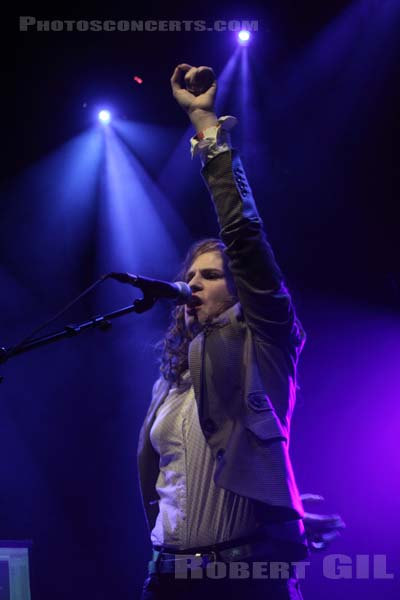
(215, 473)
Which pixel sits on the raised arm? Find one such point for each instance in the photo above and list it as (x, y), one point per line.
(265, 301)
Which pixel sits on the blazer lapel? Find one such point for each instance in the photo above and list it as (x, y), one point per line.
(195, 366)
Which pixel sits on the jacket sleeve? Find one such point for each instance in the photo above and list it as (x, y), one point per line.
(265, 301)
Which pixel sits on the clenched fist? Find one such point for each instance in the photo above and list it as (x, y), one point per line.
(194, 89)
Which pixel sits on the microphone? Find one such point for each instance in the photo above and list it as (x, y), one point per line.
(178, 291)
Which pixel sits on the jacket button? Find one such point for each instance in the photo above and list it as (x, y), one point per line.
(257, 401)
(220, 453)
(209, 426)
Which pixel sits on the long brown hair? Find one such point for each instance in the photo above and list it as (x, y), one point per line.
(175, 345)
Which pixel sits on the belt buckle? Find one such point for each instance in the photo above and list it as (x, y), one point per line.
(207, 558)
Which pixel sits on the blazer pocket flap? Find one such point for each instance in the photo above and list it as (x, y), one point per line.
(264, 425)
(259, 401)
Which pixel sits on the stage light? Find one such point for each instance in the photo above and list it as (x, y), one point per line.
(104, 116)
(243, 36)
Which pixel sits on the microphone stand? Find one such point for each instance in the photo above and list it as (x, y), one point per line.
(102, 322)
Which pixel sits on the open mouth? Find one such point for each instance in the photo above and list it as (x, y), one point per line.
(194, 302)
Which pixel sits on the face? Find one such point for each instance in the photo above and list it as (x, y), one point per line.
(207, 280)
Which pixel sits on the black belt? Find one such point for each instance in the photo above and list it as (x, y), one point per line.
(168, 562)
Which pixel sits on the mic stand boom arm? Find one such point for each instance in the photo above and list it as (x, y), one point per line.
(102, 322)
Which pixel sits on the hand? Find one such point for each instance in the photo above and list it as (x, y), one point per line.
(320, 529)
(197, 97)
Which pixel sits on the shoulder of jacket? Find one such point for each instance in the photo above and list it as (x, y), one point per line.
(161, 386)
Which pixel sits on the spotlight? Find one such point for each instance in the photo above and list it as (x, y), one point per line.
(104, 116)
(243, 36)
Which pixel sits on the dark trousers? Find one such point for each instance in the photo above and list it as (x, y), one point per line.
(166, 586)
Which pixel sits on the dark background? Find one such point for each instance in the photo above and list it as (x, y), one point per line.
(319, 140)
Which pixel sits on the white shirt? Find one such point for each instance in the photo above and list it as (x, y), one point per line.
(193, 510)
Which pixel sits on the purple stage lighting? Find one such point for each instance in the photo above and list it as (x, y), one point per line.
(104, 116)
(243, 36)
